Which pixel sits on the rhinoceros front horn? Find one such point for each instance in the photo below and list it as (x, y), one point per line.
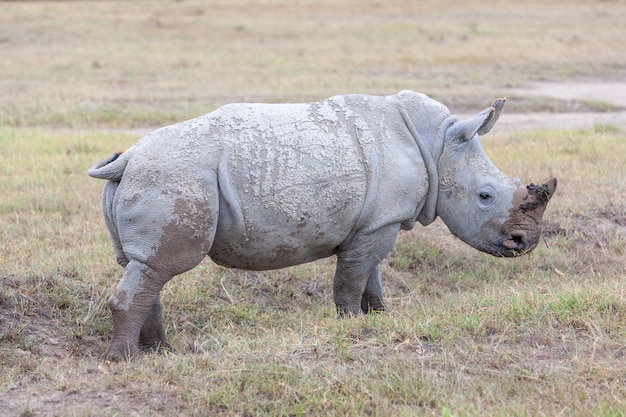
(480, 124)
(543, 192)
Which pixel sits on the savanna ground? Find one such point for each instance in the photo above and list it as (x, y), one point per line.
(467, 334)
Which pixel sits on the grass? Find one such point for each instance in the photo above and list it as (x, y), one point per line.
(467, 335)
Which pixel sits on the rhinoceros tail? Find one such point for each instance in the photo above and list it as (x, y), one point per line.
(111, 168)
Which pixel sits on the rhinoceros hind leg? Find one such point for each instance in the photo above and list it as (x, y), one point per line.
(131, 305)
(152, 335)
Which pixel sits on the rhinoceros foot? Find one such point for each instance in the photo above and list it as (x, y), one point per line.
(152, 336)
(120, 352)
(124, 351)
(373, 304)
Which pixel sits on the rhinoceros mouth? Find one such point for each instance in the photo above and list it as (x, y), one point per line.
(503, 252)
(506, 252)
(511, 245)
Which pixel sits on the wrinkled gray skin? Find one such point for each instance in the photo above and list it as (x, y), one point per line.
(264, 186)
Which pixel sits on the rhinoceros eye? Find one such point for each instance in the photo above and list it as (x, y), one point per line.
(484, 196)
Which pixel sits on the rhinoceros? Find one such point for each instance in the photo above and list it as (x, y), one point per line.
(266, 186)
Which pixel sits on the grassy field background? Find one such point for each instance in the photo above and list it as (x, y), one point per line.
(468, 334)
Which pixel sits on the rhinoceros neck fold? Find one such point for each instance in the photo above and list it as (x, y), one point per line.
(430, 153)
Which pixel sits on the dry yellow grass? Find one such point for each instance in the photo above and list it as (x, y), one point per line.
(468, 334)
(137, 63)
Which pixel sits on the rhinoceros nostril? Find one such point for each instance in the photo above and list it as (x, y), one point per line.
(517, 241)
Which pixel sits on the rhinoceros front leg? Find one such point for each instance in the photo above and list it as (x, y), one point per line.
(357, 286)
(372, 299)
(132, 303)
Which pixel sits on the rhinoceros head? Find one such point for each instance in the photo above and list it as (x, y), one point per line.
(478, 203)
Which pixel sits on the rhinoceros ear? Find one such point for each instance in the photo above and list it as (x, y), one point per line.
(479, 124)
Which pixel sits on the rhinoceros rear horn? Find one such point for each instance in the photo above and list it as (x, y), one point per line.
(479, 124)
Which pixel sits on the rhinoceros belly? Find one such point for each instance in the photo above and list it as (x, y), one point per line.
(293, 226)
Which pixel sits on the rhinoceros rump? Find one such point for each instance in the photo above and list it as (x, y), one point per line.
(264, 186)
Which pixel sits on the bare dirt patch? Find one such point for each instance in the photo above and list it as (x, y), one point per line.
(599, 91)
(611, 93)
